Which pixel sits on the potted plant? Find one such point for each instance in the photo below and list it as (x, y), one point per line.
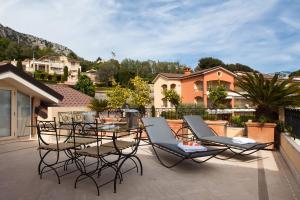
(268, 96)
(98, 105)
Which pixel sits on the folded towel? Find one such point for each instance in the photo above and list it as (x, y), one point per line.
(105, 127)
(243, 140)
(191, 147)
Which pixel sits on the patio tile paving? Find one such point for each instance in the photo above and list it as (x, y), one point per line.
(263, 177)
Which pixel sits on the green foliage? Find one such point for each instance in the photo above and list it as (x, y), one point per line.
(140, 94)
(44, 52)
(172, 96)
(169, 115)
(117, 97)
(238, 67)
(85, 85)
(10, 50)
(19, 65)
(87, 65)
(190, 109)
(72, 55)
(107, 71)
(239, 120)
(98, 105)
(54, 77)
(295, 73)
(185, 109)
(269, 95)
(217, 96)
(78, 73)
(208, 62)
(153, 113)
(66, 73)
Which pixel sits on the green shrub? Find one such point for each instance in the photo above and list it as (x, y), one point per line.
(239, 121)
(169, 114)
(153, 114)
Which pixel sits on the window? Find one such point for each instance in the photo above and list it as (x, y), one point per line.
(198, 86)
(164, 87)
(213, 84)
(173, 86)
(164, 102)
(198, 100)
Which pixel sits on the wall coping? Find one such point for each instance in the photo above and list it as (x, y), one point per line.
(289, 162)
(258, 124)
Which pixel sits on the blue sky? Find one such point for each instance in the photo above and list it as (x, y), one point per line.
(262, 34)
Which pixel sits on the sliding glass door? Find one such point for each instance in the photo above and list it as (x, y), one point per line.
(5, 113)
(23, 114)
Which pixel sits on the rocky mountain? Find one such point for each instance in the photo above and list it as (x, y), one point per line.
(30, 40)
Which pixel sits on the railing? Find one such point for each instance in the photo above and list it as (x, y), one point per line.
(292, 118)
(207, 114)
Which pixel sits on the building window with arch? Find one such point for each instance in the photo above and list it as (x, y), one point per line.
(198, 86)
(164, 102)
(173, 86)
(198, 100)
(164, 87)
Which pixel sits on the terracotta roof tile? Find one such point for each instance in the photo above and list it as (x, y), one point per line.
(72, 97)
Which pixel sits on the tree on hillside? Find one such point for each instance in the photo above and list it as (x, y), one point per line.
(85, 85)
(19, 65)
(295, 73)
(107, 71)
(66, 74)
(238, 67)
(87, 65)
(72, 55)
(208, 62)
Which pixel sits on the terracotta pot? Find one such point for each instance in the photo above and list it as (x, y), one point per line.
(261, 132)
(219, 126)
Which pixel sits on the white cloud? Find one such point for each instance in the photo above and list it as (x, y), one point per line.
(235, 31)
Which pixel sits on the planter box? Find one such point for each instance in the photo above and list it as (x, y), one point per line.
(261, 132)
(219, 126)
(290, 151)
(235, 131)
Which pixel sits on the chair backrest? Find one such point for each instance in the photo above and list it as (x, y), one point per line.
(158, 130)
(64, 117)
(47, 132)
(198, 126)
(89, 117)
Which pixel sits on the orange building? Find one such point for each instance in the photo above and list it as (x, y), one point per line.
(194, 87)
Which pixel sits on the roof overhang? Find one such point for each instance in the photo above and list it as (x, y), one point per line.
(11, 76)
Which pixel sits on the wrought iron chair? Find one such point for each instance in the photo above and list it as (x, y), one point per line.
(100, 152)
(48, 140)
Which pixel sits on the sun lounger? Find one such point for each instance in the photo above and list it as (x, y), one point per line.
(161, 137)
(202, 132)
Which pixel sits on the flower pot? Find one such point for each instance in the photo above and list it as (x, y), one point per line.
(261, 132)
(219, 126)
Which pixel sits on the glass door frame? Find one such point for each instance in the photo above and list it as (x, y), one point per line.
(12, 112)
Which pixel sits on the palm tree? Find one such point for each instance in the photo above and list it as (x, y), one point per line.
(269, 95)
(98, 105)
